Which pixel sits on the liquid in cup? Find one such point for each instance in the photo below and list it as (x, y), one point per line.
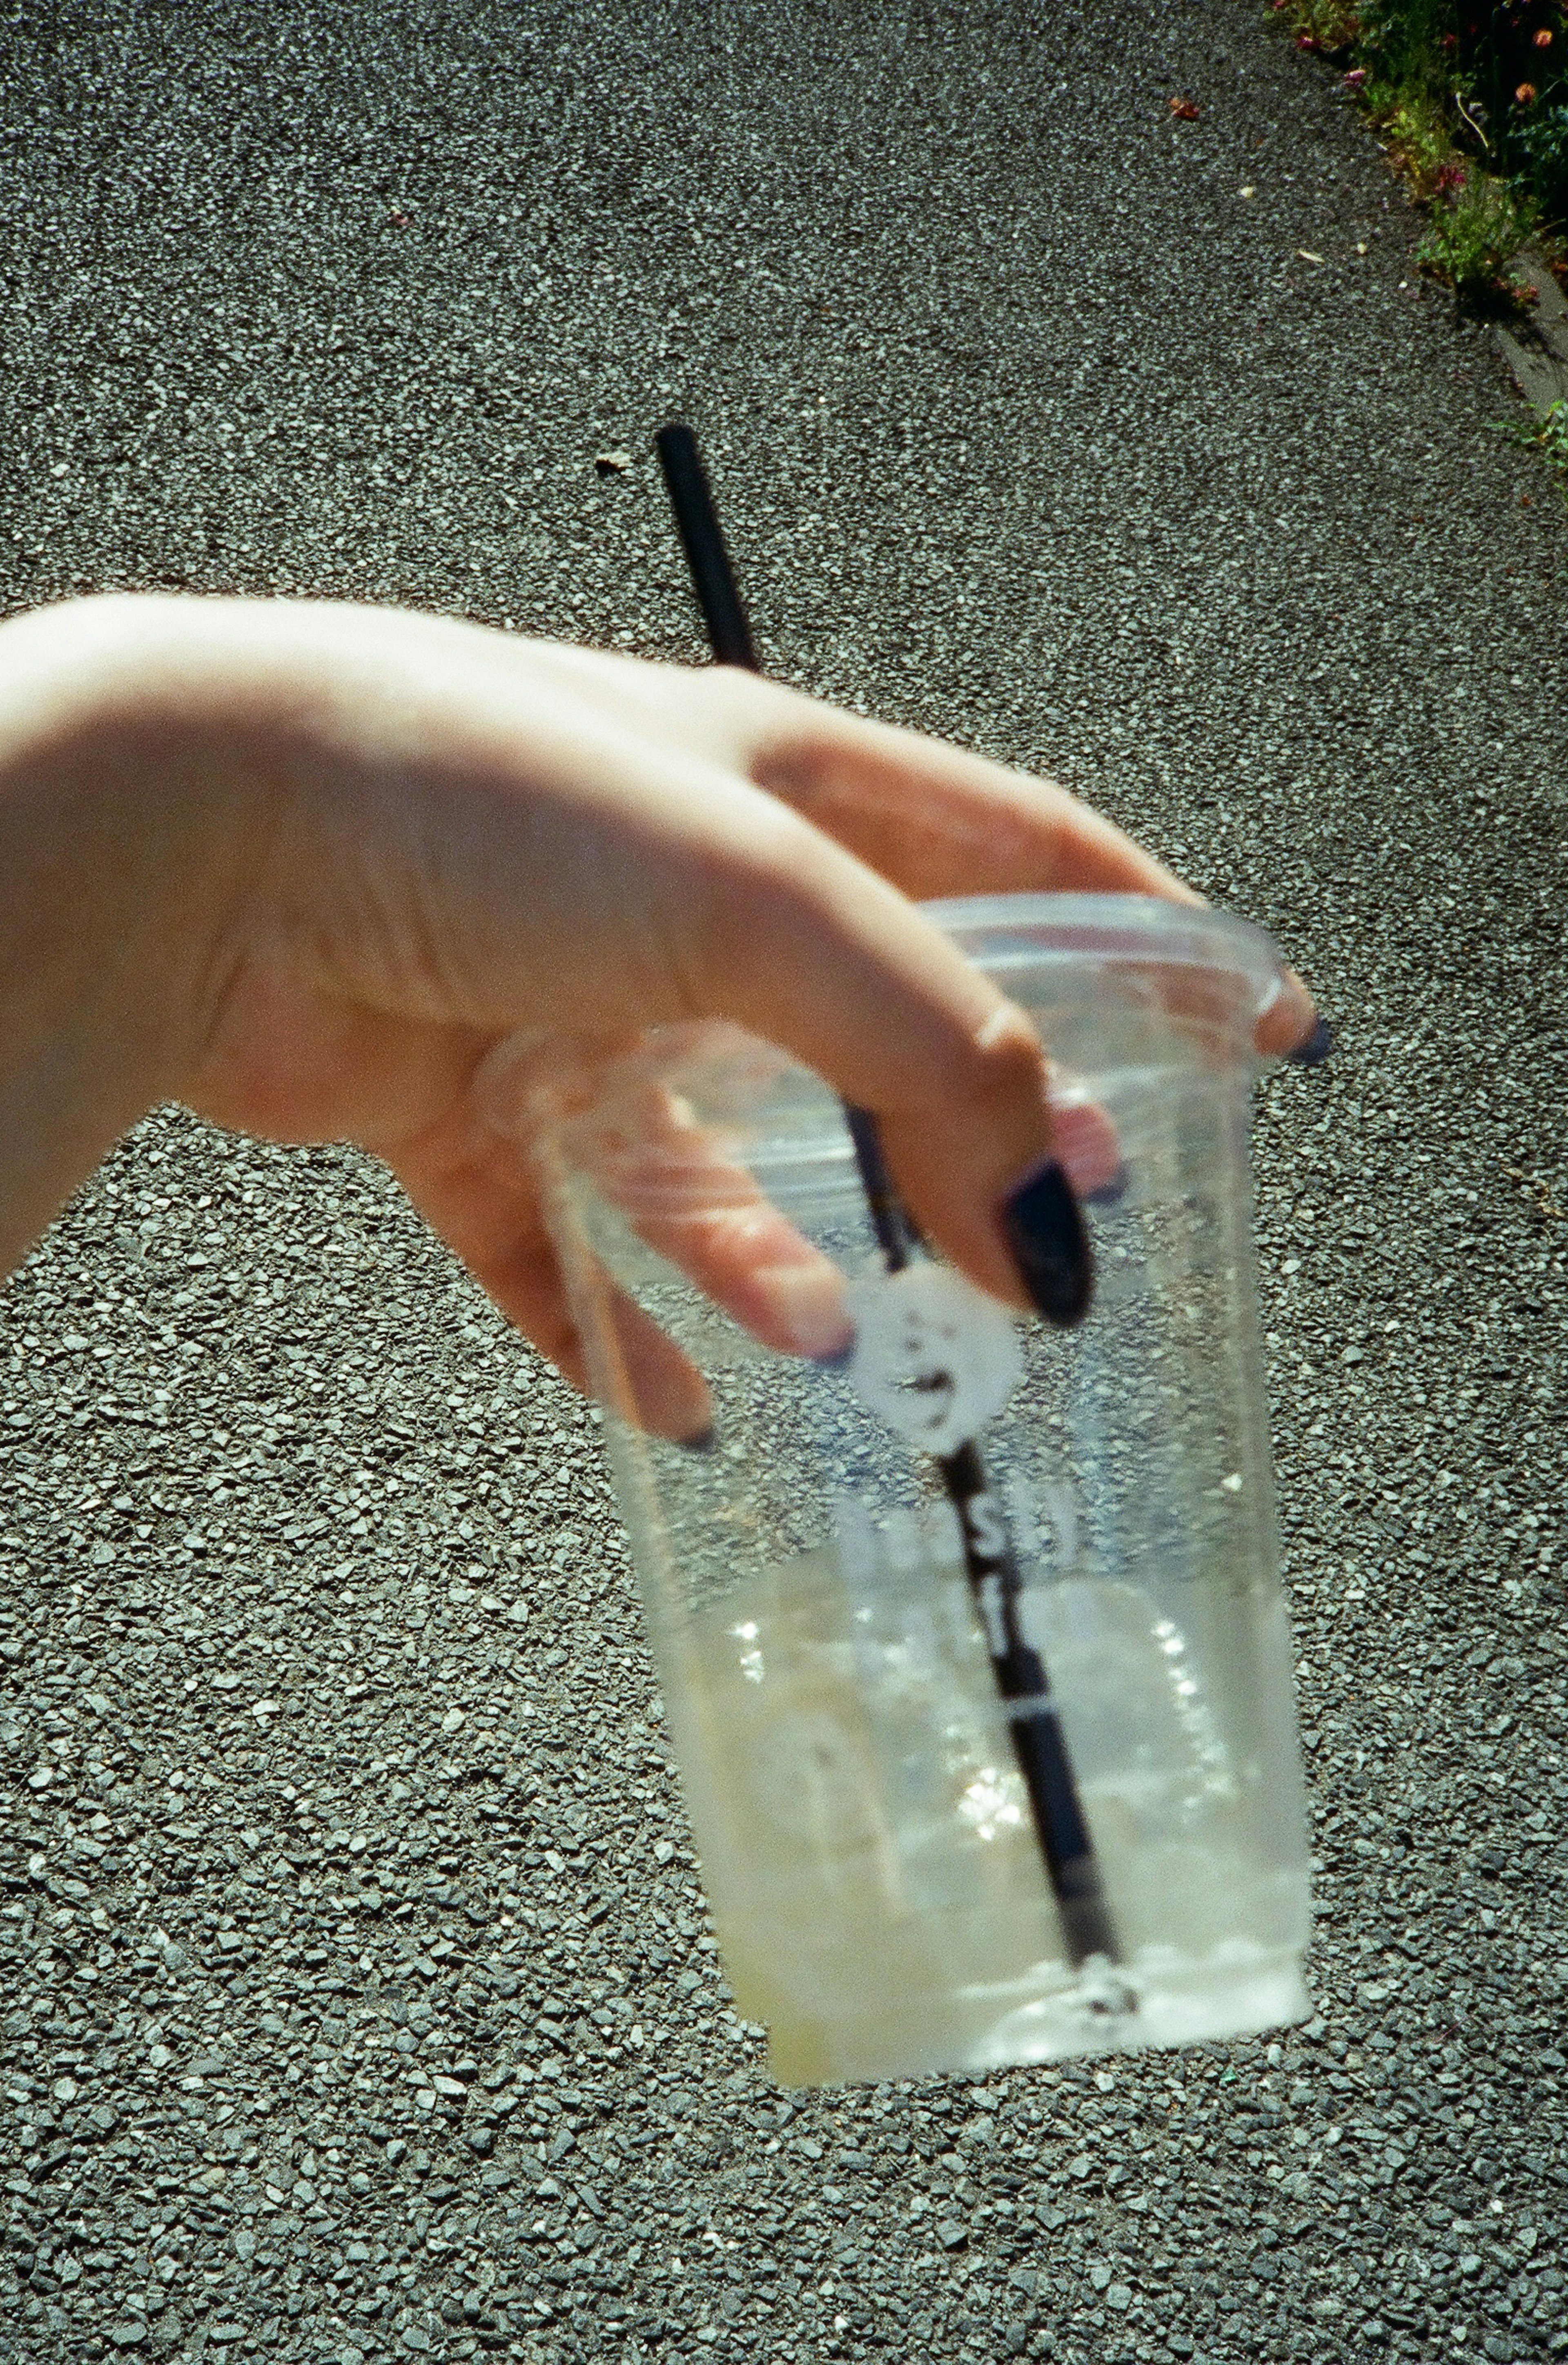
(868, 1849)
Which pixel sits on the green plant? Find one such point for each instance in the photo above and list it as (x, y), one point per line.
(1412, 39)
(1547, 433)
(1471, 96)
(1420, 143)
(1329, 26)
(1477, 227)
(1544, 139)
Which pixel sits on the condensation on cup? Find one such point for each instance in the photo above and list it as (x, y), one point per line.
(871, 1862)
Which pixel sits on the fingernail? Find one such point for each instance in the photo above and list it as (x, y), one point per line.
(1106, 1193)
(1085, 1142)
(838, 1359)
(805, 1304)
(1045, 1230)
(1315, 1049)
(705, 1441)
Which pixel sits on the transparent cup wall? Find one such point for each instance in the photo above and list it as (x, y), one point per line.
(866, 1840)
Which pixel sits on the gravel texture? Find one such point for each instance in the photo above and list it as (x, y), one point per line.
(357, 2003)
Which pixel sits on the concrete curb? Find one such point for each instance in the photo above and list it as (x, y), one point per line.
(1537, 350)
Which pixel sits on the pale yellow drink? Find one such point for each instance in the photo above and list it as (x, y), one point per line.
(870, 1862)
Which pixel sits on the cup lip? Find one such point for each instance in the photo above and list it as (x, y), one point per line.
(1015, 931)
(1005, 934)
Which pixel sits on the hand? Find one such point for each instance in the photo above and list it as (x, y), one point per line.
(339, 856)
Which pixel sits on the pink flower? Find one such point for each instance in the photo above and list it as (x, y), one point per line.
(1356, 78)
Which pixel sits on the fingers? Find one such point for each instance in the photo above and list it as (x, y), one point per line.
(1085, 1140)
(1289, 1027)
(501, 852)
(819, 955)
(673, 890)
(638, 1372)
(934, 819)
(937, 821)
(485, 1208)
(638, 1140)
(702, 1210)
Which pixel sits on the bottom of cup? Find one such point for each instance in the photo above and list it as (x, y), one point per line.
(1049, 2015)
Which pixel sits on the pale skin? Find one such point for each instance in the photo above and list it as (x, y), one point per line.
(311, 869)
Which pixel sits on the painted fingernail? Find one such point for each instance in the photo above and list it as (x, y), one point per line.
(1315, 1049)
(1106, 1193)
(1045, 1230)
(838, 1359)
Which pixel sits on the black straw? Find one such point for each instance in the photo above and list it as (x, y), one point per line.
(995, 1579)
(996, 1582)
(718, 595)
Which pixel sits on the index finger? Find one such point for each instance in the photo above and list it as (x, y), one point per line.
(937, 821)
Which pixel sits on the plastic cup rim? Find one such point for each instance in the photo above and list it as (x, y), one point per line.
(1069, 926)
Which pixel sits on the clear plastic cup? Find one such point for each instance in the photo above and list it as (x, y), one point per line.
(871, 1860)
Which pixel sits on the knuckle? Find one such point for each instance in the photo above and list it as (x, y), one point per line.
(743, 701)
(1009, 1058)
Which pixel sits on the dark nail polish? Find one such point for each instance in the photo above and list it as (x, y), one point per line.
(706, 1442)
(1045, 1229)
(1316, 1047)
(1106, 1193)
(839, 1358)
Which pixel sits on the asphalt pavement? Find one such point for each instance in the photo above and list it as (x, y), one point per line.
(358, 2003)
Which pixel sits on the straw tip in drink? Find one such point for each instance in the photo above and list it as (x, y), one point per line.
(1103, 1989)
